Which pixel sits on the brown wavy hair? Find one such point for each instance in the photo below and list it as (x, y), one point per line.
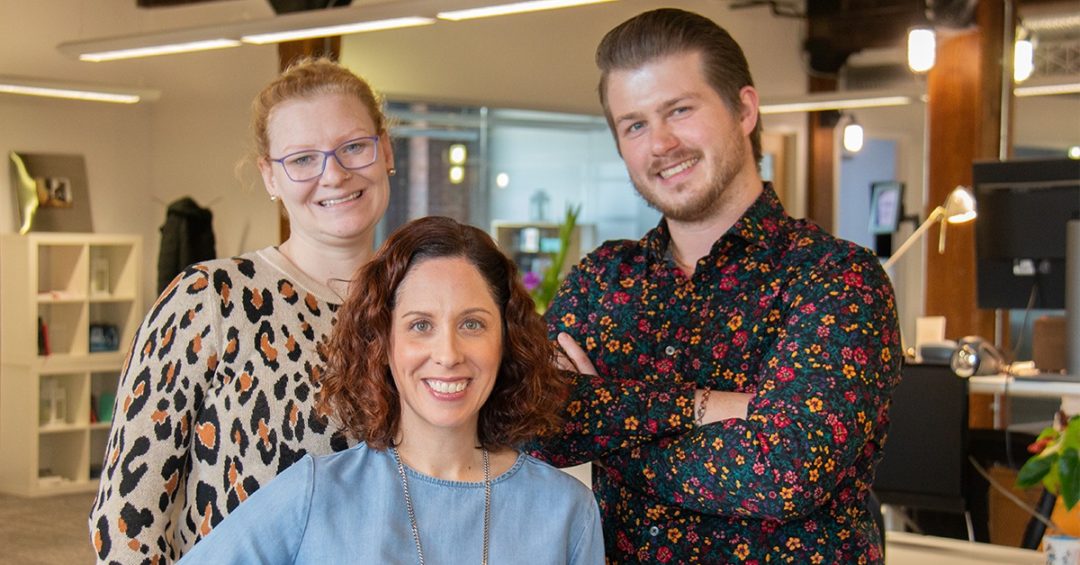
(358, 389)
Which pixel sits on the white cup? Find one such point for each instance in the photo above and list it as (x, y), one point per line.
(1061, 550)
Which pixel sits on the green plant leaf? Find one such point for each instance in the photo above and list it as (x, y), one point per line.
(1034, 470)
(1069, 473)
(1072, 433)
(549, 283)
(1052, 481)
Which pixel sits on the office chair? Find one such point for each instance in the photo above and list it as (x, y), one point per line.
(925, 468)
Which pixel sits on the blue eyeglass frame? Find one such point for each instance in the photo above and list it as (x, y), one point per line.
(327, 155)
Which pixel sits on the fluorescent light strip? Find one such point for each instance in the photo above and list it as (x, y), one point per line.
(515, 8)
(1047, 89)
(838, 104)
(342, 29)
(69, 94)
(167, 49)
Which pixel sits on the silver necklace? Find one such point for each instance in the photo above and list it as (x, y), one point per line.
(412, 515)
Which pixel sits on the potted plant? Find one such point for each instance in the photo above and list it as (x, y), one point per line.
(543, 288)
(1056, 462)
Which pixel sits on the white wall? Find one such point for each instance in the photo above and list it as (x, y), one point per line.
(140, 157)
(200, 139)
(1047, 121)
(875, 162)
(114, 140)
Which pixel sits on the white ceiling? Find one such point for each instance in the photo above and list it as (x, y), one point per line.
(552, 48)
(31, 30)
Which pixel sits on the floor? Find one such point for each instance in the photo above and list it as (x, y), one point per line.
(45, 531)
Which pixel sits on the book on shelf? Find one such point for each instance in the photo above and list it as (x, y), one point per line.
(43, 337)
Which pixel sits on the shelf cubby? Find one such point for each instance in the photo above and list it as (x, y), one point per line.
(75, 289)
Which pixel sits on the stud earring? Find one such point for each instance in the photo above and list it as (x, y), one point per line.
(391, 171)
(273, 198)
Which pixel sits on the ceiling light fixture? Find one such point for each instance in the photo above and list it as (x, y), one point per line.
(73, 91)
(154, 50)
(298, 25)
(1023, 59)
(921, 49)
(513, 8)
(853, 135)
(285, 27)
(1047, 89)
(835, 101)
(340, 29)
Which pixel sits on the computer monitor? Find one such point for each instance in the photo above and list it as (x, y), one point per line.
(1024, 207)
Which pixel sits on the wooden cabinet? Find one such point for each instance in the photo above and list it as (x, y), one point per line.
(70, 306)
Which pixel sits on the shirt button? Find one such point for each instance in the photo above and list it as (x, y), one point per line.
(654, 531)
(670, 350)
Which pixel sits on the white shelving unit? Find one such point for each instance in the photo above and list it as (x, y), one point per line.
(79, 294)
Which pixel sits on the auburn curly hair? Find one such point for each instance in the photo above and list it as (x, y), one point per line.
(358, 389)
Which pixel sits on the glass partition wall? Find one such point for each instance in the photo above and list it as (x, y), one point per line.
(491, 165)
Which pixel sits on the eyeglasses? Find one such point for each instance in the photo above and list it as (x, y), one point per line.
(354, 154)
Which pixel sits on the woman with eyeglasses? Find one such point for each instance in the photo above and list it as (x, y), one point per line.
(441, 382)
(218, 394)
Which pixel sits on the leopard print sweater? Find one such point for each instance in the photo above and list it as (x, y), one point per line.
(215, 399)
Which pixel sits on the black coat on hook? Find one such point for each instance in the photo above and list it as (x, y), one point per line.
(187, 237)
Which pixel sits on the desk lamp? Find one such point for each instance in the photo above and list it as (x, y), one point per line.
(959, 208)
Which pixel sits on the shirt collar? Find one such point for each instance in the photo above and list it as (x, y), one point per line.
(760, 225)
(763, 221)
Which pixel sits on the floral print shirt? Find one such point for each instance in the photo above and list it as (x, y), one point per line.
(780, 309)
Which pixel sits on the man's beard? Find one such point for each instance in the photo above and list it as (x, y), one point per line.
(704, 204)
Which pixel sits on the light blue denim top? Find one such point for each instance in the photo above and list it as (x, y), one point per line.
(348, 507)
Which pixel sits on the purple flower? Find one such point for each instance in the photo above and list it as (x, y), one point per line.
(531, 280)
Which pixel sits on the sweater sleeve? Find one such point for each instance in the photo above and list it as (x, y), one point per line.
(171, 363)
(268, 528)
(819, 414)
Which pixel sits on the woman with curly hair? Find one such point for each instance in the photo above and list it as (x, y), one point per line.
(441, 367)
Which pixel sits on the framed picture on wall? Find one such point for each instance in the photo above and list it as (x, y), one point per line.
(886, 206)
(51, 192)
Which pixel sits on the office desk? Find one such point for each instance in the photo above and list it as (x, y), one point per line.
(926, 465)
(903, 548)
(1066, 388)
(1053, 387)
